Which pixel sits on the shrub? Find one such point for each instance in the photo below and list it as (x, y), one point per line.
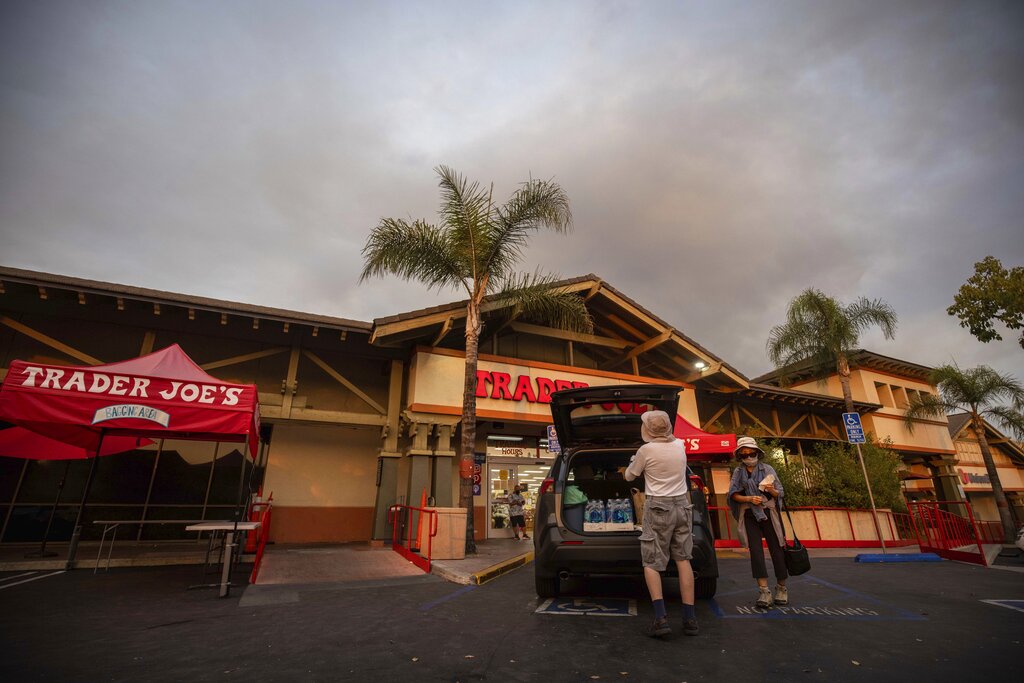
(832, 476)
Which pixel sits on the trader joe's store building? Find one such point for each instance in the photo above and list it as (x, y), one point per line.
(358, 416)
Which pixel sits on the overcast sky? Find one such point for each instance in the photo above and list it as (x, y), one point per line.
(719, 157)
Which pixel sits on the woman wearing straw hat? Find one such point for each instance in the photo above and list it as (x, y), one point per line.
(753, 495)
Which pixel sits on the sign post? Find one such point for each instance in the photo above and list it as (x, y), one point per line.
(553, 446)
(855, 435)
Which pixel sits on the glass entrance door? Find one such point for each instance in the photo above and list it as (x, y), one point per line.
(501, 479)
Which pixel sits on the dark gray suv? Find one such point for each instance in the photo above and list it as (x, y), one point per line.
(598, 432)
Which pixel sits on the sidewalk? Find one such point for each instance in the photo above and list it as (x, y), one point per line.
(493, 558)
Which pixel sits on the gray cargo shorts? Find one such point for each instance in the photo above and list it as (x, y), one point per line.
(667, 530)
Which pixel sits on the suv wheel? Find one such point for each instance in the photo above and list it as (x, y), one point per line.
(705, 587)
(547, 586)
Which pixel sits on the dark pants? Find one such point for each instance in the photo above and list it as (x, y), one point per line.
(755, 532)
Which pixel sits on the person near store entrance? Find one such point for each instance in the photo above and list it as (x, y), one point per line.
(515, 511)
(667, 518)
(753, 493)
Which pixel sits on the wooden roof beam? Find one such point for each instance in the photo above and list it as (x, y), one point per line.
(445, 329)
(651, 343)
(577, 337)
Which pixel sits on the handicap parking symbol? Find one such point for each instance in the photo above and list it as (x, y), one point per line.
(592, 607)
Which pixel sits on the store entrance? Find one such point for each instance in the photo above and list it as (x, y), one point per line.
(502, 475)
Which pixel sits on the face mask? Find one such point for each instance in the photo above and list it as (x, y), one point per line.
(752, 460)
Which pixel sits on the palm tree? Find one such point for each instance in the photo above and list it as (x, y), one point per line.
(823, 332)
(979, 392)
(475, 247)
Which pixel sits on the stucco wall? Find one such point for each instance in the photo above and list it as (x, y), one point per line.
(322, 466)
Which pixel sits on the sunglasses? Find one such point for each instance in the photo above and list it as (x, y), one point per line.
(746, 453)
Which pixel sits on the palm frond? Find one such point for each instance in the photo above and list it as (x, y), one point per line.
(1009, 418)
(999, 387)
(956, 385)
(865, 313)
(925, 406)
(819, 329)
(412, 251)
(534, 295)
(535, 205)
(466, 214)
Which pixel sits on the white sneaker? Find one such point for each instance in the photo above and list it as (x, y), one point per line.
(781, 596)
(764, 598)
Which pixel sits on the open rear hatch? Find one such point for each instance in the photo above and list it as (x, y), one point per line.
(608, 416)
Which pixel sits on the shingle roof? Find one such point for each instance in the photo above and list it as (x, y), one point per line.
(32, 277)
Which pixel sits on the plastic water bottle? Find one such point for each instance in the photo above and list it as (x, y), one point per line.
(594, 511)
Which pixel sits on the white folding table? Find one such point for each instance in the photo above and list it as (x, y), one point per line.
(229, 529)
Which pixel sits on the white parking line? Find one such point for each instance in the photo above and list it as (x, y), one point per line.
(34, 578)
(16, 576)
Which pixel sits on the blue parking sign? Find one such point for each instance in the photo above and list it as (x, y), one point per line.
(854, 428)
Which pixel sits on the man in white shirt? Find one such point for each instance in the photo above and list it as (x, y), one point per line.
(667, 519)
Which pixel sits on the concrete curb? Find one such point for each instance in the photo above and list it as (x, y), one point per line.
(484, 575)
(497, 570)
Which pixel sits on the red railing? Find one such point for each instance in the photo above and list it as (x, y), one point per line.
(263, 510)
(950, 535)
(411, 534)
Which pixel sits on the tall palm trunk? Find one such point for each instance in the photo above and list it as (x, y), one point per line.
(997, 486)
(843, 366)
(468, 447)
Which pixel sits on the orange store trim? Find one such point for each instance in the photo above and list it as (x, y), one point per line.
(552, 366)
(890, 416)
(489, 414)
(920, 449)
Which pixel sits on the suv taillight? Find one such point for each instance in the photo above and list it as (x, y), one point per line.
(545, 485)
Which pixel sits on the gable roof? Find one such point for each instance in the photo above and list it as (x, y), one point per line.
(958, 422)
(624, 331)
(858, 358)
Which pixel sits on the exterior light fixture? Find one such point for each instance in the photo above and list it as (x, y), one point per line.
(700, 365)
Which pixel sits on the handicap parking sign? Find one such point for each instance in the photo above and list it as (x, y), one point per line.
(854, 428)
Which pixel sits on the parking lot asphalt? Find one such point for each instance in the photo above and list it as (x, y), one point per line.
(846, 622)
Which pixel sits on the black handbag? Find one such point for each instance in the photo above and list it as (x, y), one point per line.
(797, 561)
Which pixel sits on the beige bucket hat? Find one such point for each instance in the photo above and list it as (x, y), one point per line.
(657, 426)
(747, 442)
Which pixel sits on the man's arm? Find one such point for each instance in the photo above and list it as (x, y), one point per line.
(636, 466)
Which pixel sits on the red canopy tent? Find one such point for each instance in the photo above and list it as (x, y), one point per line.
(700, 443)
(18, 442)
(160, 395)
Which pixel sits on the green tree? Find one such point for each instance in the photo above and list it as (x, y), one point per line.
(982, 393)
(475, 247)
(821, 331)
(992, 293)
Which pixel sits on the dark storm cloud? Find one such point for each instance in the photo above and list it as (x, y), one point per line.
(720, 157)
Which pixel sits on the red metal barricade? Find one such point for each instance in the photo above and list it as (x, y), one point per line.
(950, 535)
(405, 533)
(263, 511)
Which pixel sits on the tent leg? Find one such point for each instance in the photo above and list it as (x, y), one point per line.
(77, 533)
(49, 523)
(231, 539)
